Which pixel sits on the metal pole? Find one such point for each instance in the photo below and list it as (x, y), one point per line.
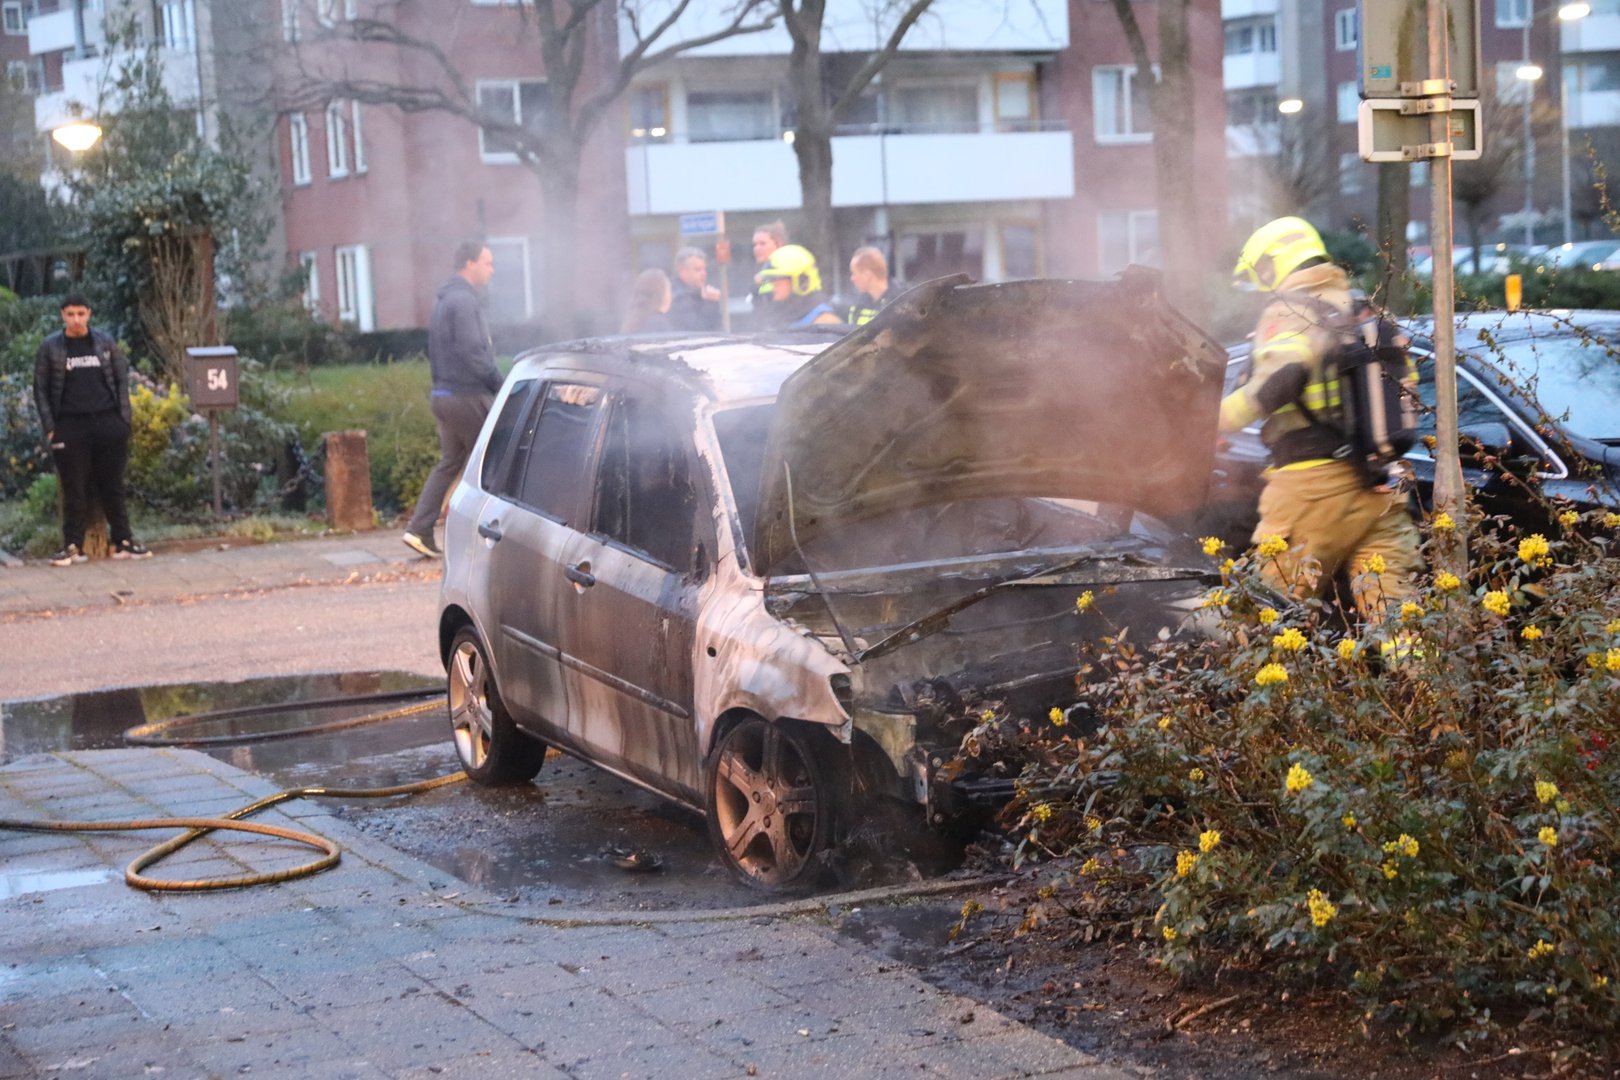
(1529, 140)
(1563, 144)
(213, 457)
(1448, 484)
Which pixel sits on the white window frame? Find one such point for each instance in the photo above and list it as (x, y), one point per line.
(1347, 102)
(290, 28)
(1127, 75)
(1132, 218)
(1512, 14)
(178, 22)
(1346, 30)
(513, 86)
(337, 141)
(311, 263)
(353, 276)
(504, 266)
(329, 13)
(298, 144)
(14, 18)
(357, 134)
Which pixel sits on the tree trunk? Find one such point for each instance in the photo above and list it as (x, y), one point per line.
(1173, 135)
(814, 152)
(812, 138)
(1394, 211)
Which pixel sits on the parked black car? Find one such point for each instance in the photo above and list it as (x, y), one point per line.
(1538, 392)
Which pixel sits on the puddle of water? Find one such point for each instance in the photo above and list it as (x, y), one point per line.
(98, 720)
(20, 883)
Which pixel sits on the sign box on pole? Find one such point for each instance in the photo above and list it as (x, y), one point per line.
(1394, 47)
(1387, 134)
(707, 223)
(211, 376)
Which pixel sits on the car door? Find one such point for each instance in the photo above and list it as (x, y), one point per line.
(636, 570)
(537, 499)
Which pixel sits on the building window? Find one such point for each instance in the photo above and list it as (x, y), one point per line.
(358, 134)
(649, 113)
(354, 287)
(1349, 101)
(1350, 174)
(1125, 237)
(13, 18)
(731, 115)
(332, 12)
(509, 290)
(312, 281)
(178, 19)
(298, 132)
(940, 252)
(1251, 36)
(337, 141)
(935, 108)
(507, 104)
(1346, 30)
(1122, 105)
(1511, 14)
(1016, 105)
(290, 30)
(1020, 251)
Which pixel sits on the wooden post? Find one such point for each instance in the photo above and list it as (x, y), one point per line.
(348, 482)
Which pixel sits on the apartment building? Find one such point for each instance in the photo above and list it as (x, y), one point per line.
(1002, 141)
(1301, 57)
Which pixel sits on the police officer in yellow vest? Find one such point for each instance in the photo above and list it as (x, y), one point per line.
(1327, 509)
(869, 273)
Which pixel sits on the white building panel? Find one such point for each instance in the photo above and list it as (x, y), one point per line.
(1242, 9)
(55, 31)
(1594, 108)
(1598, 32)
(84, 82)
(1250, 70)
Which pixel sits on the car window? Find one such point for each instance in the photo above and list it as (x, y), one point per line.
(497, 470)
(1576, 380)
(554, 448)
(1474, 407)
(742, 432)
(646, 498)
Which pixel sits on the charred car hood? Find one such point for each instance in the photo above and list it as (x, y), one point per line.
(1064, 389)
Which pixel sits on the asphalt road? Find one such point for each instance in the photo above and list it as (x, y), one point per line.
(319, 628)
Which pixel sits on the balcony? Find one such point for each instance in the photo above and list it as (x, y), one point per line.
(1593, 108)
(56, 31)
(1248, 70)
(86, 88)
(1242, 9)
(868, 170)
(1598, 32)
(1040, 26)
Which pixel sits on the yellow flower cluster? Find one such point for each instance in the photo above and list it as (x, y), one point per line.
(1169, 933)
(1402, 845)
(1299, 778)
(1090, 866)
(1212, 545)
(971, 908)
(1443, 523)
(1228, 565)
(1347, 648)
(1410, 610)
(1093, 823)
(1496, 602)
(1290, 640)
(1535, 550)
(1215, 598)
(1348, 821)
(1531, 633)
(1548, 836)
(1612, 626)
(1046, 892)
(1540, 949)
(1186, 862)
(1546, 791)
(1271, 547)
(1445, 581)
(1041, 812)
(1390, 872)
(1322, 910)
(1373, 564)
(1056, 717)
(1568, 518)
(1611, 660)
(1209, 840)
(1084, 601)
(988, 715)
(1164, 723)
(1196, 775)
(1267, 616)
(1611, 521)
(1600, 981)
(1270, 675)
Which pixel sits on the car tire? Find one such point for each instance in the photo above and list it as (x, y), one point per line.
(491, 748)
(770, 805)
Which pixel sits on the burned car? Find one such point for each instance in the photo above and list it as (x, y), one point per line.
(772, 578)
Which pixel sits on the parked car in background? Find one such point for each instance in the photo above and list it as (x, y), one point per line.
(773, 577)
(1537, 391)
(1589, 254)
(1493, 259)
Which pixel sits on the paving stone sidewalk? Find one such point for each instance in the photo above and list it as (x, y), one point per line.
(386, 967)
(37, 586)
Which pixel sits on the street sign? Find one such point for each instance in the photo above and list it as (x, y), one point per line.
(211, 376)
(1394, 47)
(1387, 134)
(705, 224)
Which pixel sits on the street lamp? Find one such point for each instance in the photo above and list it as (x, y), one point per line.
(1530, 73)
(78, 136)
(1290, 106)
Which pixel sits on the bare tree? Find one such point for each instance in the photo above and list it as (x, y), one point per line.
(819, 106)
(574, 44)
(1173, 131)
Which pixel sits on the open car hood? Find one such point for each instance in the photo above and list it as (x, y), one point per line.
(1063, 389)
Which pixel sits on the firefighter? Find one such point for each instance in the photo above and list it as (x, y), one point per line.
(1331, 513)
(869, 273)
(795, 283)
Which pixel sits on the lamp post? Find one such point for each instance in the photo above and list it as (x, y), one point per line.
(1529, 74)
(1571, 12)
(77, 136)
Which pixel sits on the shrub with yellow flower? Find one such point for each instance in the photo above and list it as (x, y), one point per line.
(1540, 949)
(1612, 627)
(1546, 791)
(1271, 675)
(1568, 518)
(1443, 522)
(1347, 648)
(1267, 616)
(1196, 775)
(1373, 564)
(1410, 610)
(1290, 640)
(1209, 840)
(1090, 866)
(1271, 546)
(1322, 909)
(1169, 933)
(1212, 545)
(1496, 602)
(1186, 862)
(1611, 520)
(1349, 822)
(1548, 836)
(1057, 717)
(1299, 778)
(1084, 601)
(1041, 812)
(1215, 598)
(1164, 723)
(1446, 581)
(1611, 660)
(1390, 870)
(1402, 845)
(1531, 633)
(1535, 550)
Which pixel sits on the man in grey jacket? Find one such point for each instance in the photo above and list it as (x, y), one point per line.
(465, 382)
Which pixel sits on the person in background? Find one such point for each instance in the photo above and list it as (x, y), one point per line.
(81, 389)
(767, 239)
(795, 284)
(648, 310)
(869, 273)
(465, 382)
(696, 303)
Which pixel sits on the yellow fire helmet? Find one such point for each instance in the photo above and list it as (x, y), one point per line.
(1277, 249)
(794, 262)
